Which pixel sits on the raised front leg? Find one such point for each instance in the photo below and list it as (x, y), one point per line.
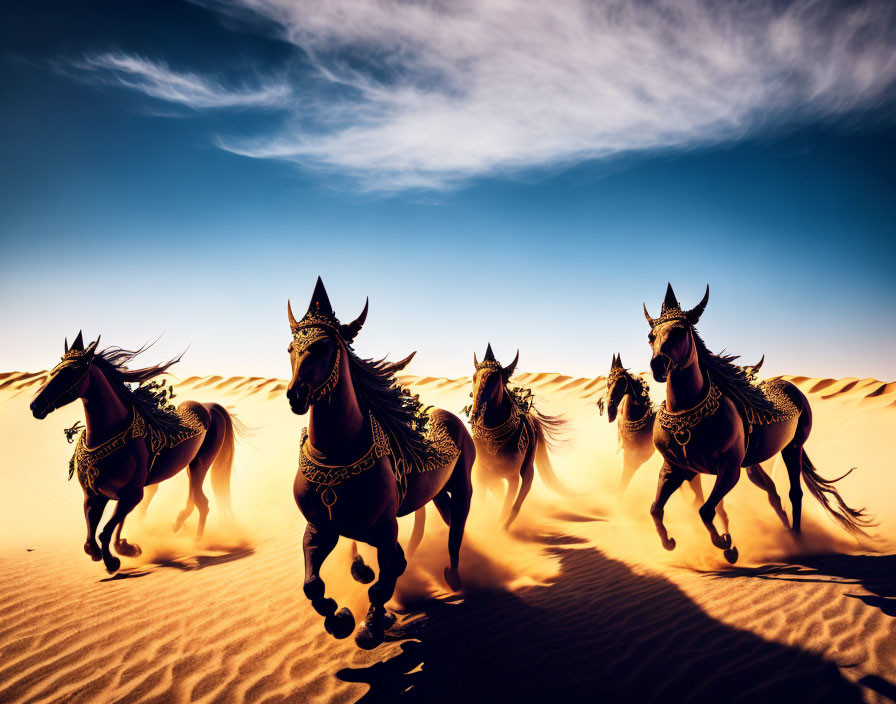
(127, 500)
(728, 475)
(317, 545)
(670, 479)
(392, 563)
(93, 512)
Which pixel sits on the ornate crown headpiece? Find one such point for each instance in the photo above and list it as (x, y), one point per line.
(77, 350)
(616, 370)
(672, 310)
(489, 362)
(321, 318)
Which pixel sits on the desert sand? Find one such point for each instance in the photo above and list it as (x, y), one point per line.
(579, 602)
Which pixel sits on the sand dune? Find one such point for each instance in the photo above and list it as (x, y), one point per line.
(578, 603)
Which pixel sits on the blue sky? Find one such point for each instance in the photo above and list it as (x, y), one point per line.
(520, 174)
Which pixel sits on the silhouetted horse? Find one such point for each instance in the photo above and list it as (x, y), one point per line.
(134, 439)
(371, 453)
(715, 421)
(511, 436)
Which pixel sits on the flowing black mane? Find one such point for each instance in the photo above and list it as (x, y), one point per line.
(147, 400)
(639, 388)
(400, 413)
(732, 379)
(549, 427)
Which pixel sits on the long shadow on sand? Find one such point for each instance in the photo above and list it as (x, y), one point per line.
(875, 573)
(599, 633)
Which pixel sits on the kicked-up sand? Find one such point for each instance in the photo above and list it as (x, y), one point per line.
(578, 602)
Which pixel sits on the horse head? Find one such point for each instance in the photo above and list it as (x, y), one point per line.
(618, 385)
(66, 381)
(671, 335)
(318, 351)
(489, 381)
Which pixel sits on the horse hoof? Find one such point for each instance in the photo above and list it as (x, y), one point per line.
(341, 624)
(453, 579)
(177, 526)
(360, 571)
(93, 550)
(723, 542)
(128, 549)
(731, 555)
(669, 544)
(113, 564)
(368, 637)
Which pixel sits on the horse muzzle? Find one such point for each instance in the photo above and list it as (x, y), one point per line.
(299, 397)
(40, 410)
(660, 366)
(611, 412)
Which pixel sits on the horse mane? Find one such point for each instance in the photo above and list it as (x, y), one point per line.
(639, 388)
(400, 414)
(549, 427)
(147, 400)
(732, 379)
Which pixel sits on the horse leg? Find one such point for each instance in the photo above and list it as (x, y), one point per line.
(94, 505)
(793, 460)
(513, 483)
(317, 545)
(417, 533)
(727, 477)
(758, 476)
(723, 516)
(527, 473)
(361, 572)
(123, 547)
(391, 562)
(148, 493)
(697, 487)
(669, 480)
(128, 498)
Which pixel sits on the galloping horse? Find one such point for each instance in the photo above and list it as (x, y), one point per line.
(629, 395)
(371, 453)
(715, 421)
(134, 439)
(511, 436)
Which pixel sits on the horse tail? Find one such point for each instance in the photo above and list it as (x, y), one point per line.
(853, 519)
(547, 432)
(222, 466)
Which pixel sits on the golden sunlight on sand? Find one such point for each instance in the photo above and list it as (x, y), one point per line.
(577, 602)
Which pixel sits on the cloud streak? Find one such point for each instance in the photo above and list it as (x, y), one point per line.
(430, 95)
(157, 80)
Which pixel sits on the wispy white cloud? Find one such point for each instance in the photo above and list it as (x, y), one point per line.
(157, 80)
(413, 94)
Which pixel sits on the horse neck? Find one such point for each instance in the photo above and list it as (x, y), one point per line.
(335, 421)
(686, 385)
(634, 405)
(501, 411)
(104, 412)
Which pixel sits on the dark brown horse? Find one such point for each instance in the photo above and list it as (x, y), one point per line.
(715, 420)
(511, 436)
(134, 439)
(371, 453)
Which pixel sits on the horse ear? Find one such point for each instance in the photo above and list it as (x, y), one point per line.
(670, 301)
(489, 355)
(78, 344)
(350, 331)
(292, 318)
(66, 346)
(508, 370)
(475, 361)
(320, 301)
(91, 348)
(647, 315)
(619, 361)
(694, 313)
